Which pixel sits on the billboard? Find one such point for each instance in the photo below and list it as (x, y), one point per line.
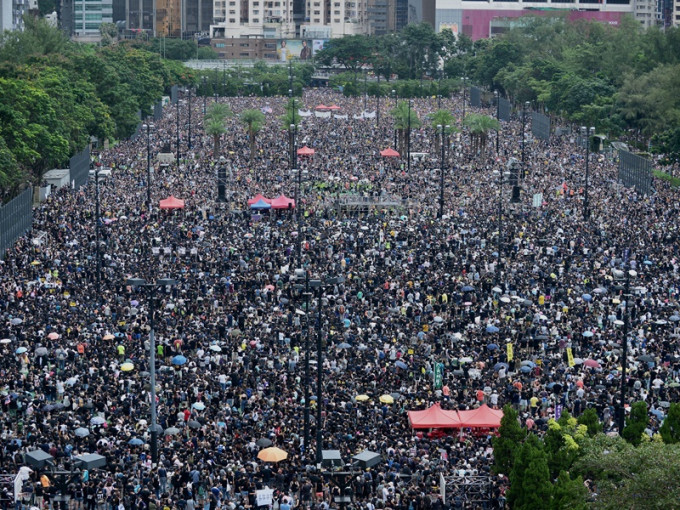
(288, 49)
(317, 45)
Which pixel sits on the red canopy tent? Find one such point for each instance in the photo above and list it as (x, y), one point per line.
(305, 151)
(434, 417)
(334, 107)
(283, 202)
(481, 418)
(257, 198)
(172, 203)
(389, 153)
(322, 107)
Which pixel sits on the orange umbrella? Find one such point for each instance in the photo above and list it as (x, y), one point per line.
(272, 454)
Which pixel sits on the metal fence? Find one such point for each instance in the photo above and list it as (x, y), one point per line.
(16, 218)
(158, 111)
(79, 168)
(635, 172)
(504, 109)
(475, 96)
(174, 94)
(540, 126)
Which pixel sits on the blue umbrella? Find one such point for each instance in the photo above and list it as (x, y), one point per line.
(658, 413)
(587, 297)
(179, 360)
(528, 363)
(468, 288)
(498, 366)
(525, 369)
(492, 347)
(344, 345)
(401, 364)
(260, 205)
(492, 329)
(587, 334)
(21, 350)
(648, 262)
(135, 441)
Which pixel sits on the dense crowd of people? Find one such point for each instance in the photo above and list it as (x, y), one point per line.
(234, 334)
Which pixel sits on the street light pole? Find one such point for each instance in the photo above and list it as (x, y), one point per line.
(205, 92)
(619, 275)
(442, 169)
(498, 115)
(524, 114)
(151, 291)
(97, 215)
(464, 80)
(178, 148)
(189, 106)
(148, 128)
(394, 93)
(377, 104)
(365, 89)
(587, 135)
(408, 138)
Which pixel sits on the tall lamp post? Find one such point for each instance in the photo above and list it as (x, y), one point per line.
(365, 89)
(498, 115)
(189, 106)
(524, 142)
(205, 92)
(623, 276)
(501, 179)
(178, 146)
(464, 84)
(377, 104)
(443, 129)
(147, 128)
(587, 136)
(293, 127)
(394, 94)
(298, 174)
(408, 139)
(320, 285)
(97, 217)
(151, 289)
(302, 275)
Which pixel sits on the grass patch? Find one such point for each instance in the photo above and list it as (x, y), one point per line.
(675, 181)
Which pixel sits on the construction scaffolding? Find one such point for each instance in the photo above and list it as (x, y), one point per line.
(470, 491)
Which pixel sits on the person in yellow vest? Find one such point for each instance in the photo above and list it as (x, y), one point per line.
(121, 351)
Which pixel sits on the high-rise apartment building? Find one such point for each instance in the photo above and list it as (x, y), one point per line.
(12, 14)
(89, 15)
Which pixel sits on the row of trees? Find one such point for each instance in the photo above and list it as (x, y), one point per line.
(574, 465)
(55, 94)
(619, 79)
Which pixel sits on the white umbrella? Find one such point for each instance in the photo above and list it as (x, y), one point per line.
(215, 348)
(82, 432)
(199, 406)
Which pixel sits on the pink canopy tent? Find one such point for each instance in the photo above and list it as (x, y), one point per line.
(305, 151)
(257, 198)
(172, 203)
(434, 417)
(334, 107)
(482, 417)
(389, 153)
(283, 202)
(322, 107)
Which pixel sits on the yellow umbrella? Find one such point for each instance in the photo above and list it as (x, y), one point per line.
(362, 398)
(109, 337)
(126, 367)
(35, 263)
(387, 399)
(272, 454)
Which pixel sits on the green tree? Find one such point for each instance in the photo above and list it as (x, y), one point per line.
(479, 126)
(568, 494)
(351, 52)
(11, 175)
(215, 128)
(670, 429)
(441, 118)
(530, 486)
(253, 120)
(590, 419)
(508, 442)
(636, 423)
(405, 119)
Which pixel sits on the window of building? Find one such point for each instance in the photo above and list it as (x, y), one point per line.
(232, 20)
(336, 20)
(316, 13)
(256, 20)
(92, 26)
(336, 13)
(219, 45)
(244, 54)
(232, 4)
(256, 11)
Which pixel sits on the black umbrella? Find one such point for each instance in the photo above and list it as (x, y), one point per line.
(264, 442)
(193, 424)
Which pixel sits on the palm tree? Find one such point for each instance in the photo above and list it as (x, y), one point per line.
(442, 118)
(479, 126)
(214, 123)
(401, 123)
(215, 128)
(253, 119)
